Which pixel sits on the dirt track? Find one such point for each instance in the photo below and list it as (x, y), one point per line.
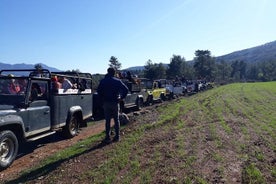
(34, 152)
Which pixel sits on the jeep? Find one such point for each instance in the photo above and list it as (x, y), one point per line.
(32, 107)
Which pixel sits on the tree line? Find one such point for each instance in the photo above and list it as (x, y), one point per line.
(206, 67)
(202, 67)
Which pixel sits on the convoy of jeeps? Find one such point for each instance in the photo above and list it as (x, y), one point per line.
(34, 104)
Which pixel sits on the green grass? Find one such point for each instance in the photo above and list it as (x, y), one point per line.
(235, 122)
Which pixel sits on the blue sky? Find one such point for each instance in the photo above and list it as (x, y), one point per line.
(84, 34)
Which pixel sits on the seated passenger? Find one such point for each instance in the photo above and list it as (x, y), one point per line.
(35, 92)
(55, 84)
(13, 87)
(65, 83)
(23, 85)
(83, 85)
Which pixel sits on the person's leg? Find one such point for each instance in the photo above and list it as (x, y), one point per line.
(107, 115)
(116, 122)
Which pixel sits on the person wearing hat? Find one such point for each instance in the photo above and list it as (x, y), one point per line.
(13, 86)
(111, 90)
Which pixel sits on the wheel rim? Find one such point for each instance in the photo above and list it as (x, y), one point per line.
(140, 103)
(74, 126)
(6, 149)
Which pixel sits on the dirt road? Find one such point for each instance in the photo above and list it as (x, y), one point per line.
(34, 152)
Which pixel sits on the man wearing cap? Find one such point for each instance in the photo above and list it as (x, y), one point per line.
(111, 90)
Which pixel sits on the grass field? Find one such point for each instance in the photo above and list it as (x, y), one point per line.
(223, 135)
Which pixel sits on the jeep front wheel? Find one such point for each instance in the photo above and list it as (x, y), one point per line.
(72, 127)
(8, 148)
(162, 97)
(139, 104)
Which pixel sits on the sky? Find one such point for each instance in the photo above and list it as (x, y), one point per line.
(84, 34)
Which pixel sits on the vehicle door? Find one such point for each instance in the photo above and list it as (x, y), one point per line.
(131, 97)
(38, 110)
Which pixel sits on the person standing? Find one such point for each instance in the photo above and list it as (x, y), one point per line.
(111, 91)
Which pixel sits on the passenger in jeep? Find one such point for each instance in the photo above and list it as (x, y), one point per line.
(13, 87)
(35, 91)
(55, 83)
(65, 83)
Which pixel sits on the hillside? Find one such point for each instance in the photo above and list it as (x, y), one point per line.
(223, 135)
(260, 53)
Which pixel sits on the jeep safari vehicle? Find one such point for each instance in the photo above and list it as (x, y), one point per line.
(174, 89)
(32, 106)
(137, 95)
(159, 92)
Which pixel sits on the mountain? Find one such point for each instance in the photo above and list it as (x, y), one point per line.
(137, 68)
(260, 53)
(4, 66)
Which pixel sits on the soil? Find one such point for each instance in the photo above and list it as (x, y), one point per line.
(34, 152)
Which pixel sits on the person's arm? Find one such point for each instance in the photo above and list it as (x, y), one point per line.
(124, 90)
(69, 83)
(100, 89)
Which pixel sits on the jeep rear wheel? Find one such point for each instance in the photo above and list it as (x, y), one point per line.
(8, 148)
(72, 127)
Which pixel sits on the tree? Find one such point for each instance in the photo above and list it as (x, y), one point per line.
(268, 70)
(252, 72)
(154, 71)
(160, 71)
(242, 66)
(223, 70)
(114, 63)
(204, 64)
(238, 70)
(176, 66)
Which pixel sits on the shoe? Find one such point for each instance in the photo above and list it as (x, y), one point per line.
(116, 139)
(106, 140)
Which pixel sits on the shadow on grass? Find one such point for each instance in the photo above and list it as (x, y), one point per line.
(44, 170)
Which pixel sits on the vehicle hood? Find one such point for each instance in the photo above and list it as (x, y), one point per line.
(6, 109)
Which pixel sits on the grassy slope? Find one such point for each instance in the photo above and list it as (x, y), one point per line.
(226, 134)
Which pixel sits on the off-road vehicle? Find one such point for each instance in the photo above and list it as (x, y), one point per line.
(32, 107)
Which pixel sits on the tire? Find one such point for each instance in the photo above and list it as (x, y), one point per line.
(150, 100)
(8, 148)
(172, 96)
(139, 104)
(71, 128)
(163, 97)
